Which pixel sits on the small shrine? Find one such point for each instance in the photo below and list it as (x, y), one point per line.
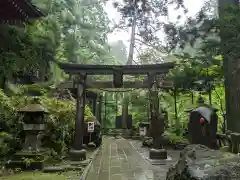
(202, 125)
(33, 125)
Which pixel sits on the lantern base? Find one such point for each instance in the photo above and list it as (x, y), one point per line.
(158, 154)
(17, 161)
(77, 155)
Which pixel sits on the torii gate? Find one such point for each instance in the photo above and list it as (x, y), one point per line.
(81, 82)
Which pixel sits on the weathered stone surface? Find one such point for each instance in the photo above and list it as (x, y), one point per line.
(147, 141)
(157, 154)
(206, 132)
(53, 169)
(77, 155)
(118, 160)
(92, 145)
(80, 163)
(198, 162)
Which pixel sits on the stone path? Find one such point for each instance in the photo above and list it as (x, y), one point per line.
(118, 160)
(173, 155)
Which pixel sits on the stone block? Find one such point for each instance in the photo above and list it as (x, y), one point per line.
(158, 154)
(78, 155)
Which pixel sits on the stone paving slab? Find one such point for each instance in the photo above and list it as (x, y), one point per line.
(118, 159)
(173, 155)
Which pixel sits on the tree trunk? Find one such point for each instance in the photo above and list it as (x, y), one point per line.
(177, 123)
(132, 40)
(42, 72)
(192, 97)
(231, 70)
(3, 82)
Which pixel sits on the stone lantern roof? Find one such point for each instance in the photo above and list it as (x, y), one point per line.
(33, 108)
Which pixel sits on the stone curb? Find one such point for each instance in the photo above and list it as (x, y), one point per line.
(87, 168)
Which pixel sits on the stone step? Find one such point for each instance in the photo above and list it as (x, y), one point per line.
(34, 165)
(54, 169)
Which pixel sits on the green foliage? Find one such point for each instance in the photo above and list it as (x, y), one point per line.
(35, 175)
(63, 35)
(59, 122)
(139, 106)
(143, 15)
(7, 112)
(172, 139)
(32, 88)
(4, 143)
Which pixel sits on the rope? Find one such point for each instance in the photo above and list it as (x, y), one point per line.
(106, 90)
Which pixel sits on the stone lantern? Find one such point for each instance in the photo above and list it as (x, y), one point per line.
(33, 126)
(33, 118)
(143, 128)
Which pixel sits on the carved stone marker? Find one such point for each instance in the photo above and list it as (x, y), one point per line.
(202, 126)
(33, 118)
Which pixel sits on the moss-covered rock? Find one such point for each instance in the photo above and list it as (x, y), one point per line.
(198, 162)
(92, 145)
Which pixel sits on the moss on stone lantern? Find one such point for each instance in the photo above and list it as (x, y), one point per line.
(31, 156)
(34, 125)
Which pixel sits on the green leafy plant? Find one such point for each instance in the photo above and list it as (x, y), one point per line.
(28, 161)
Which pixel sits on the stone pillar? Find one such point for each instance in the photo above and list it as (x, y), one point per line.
(77, 152)
(98, 109)
(156, 124)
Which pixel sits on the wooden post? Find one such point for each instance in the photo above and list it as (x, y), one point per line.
(80, 108)
(100, 99)
(105, 110)
(192, 97)
(210, 93)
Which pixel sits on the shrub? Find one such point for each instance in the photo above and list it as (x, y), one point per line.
(172, 138)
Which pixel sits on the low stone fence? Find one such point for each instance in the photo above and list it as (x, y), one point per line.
(231, 141)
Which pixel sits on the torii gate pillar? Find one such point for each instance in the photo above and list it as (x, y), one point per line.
(77, 152)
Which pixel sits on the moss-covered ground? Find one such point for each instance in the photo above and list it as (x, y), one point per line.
(70, 175)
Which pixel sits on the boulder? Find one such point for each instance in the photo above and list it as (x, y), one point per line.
(147, 142)
(198, 162)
